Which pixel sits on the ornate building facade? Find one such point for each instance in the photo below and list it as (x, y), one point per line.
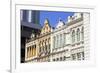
(61, 42)
(44, 44)
(41, 45)
(67, 42)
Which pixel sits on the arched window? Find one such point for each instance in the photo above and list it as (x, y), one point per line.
(78, 34)
(45, 46)
(64, 39)
(61, 40)
(82, 33)
(40, 50)
(46, 49)
(53, 42)
(73, 36)
(57, 40)
(49, 48)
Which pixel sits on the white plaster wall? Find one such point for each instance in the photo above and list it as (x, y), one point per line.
(86, 23)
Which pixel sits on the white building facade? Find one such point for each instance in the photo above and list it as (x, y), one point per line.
(61, 42)
(70, 41)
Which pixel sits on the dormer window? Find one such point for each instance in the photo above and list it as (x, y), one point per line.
(60, 24)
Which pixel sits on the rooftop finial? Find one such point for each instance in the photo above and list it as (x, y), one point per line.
(60, 23)
(46, 21)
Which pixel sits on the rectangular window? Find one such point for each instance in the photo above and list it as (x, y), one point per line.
(79, 56)
(73, 57)
(82, 55)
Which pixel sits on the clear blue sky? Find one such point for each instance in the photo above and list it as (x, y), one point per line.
(54, 16)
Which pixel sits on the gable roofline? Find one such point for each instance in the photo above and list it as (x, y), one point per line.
(46, 22)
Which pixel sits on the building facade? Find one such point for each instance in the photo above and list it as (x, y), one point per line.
(42, 45)
(79, 28)
(67, 42)
(61, 42)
